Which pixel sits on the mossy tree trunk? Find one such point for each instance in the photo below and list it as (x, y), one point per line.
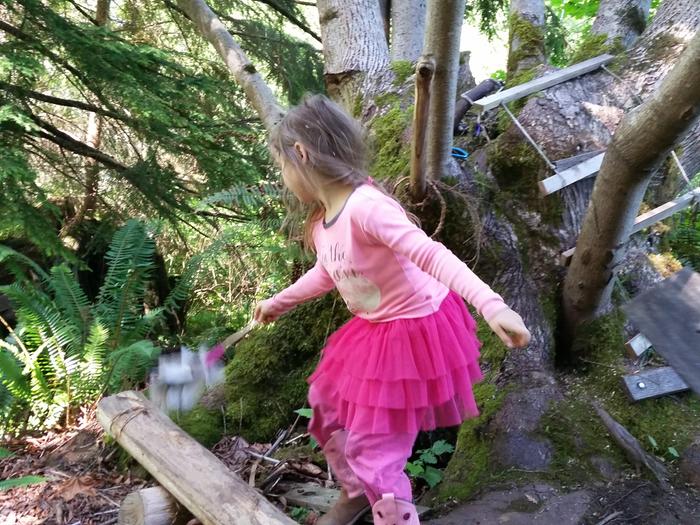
(621, 21)
(525, 36)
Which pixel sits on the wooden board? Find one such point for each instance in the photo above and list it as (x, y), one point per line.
(573, 174)
(637, 345)
(669, 315)
(538, 84)
(647, 219)
(654, 383)
(187, 470)
(665, 210)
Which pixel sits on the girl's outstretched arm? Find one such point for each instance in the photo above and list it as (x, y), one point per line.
(386, 222)
(314, 283)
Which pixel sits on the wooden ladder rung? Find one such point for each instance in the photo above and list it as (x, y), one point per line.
(566, 177)
(538, 84)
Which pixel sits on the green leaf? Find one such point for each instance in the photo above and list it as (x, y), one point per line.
(653, 442)
(21, 482)
(304, 412)
(673, 452)
(414, 469)
(432, 475)
(314, 444)
(441, 447)
(428, 457)
(4, 453)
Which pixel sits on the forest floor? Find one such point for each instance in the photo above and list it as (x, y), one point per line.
(87, 477)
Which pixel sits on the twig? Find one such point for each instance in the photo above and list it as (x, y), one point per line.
(611, 505)
(265, 458)
(609, 518)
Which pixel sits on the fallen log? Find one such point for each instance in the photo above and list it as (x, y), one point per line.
(194, 476)
(152, 506)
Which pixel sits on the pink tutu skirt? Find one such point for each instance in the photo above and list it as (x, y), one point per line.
(404, 375)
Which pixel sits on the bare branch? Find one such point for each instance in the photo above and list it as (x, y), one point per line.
(258, 92)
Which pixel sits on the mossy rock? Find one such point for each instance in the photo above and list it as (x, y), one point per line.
(204, 425)
(266, 379)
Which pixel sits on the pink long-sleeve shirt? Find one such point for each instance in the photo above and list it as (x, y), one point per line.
(383, 265)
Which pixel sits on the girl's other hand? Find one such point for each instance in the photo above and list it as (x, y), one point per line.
(509, 326)
(263, 312)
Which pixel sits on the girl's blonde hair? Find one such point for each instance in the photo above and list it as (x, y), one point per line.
(335, 146)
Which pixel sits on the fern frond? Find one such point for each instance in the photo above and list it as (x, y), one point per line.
(70, 298)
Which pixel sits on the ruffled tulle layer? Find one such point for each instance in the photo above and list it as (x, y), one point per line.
(403, 375)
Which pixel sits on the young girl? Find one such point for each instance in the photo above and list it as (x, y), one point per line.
(407, 361)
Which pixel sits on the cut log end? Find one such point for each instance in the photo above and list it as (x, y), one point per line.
(151, 506)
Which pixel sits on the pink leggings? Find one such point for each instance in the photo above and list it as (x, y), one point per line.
(378, 460)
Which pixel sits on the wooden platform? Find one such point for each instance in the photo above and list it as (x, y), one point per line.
(669, 316)
(655, 382)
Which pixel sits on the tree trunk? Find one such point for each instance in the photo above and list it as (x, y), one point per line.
(621, 20)
(385, 9)
(355, 49)
(408, 23)
(257, 91)
(93, 138)
(526, 36)
(642, 141)
(442, 38)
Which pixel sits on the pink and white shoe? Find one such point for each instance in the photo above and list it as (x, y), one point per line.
(391, 511)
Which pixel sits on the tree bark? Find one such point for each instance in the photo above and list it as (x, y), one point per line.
(408, 24)
(526, 36)
(621, 20)
(442, 40)
(93, 139)
(354, 47)
(642, 141)
(385, 9)
(258, 92)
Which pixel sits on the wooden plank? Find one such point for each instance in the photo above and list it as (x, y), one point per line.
(568, 162)
(187, 470)
(665, 210)
(654, 383)
(538, 84)
(567, 177)
(669, 315)
(637, 345)
(565, 257)
(647, 219)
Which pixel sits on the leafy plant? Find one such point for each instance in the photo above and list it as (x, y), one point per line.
(65, 352)
(23, 481)
(423, 468)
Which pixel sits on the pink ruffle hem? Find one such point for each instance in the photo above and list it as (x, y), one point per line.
(403, 375)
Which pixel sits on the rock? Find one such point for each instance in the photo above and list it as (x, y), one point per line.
(530, 504)
(605, 467)
(523, 451)
(690, 464)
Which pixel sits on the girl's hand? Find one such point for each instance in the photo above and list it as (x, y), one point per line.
(263, 312)
(509, 326)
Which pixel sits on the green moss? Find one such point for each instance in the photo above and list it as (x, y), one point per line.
(392, 153)
(576, 431)
(522, 76)
(402, 69)
(266, 379)
(530, 39)
(357, 107)
(594, 45)
(206, 426)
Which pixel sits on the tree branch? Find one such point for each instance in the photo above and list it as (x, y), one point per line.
(291, 17)
(258, 92)
(65, 141)
(443, 32)
(62, 101)
(425, 70)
